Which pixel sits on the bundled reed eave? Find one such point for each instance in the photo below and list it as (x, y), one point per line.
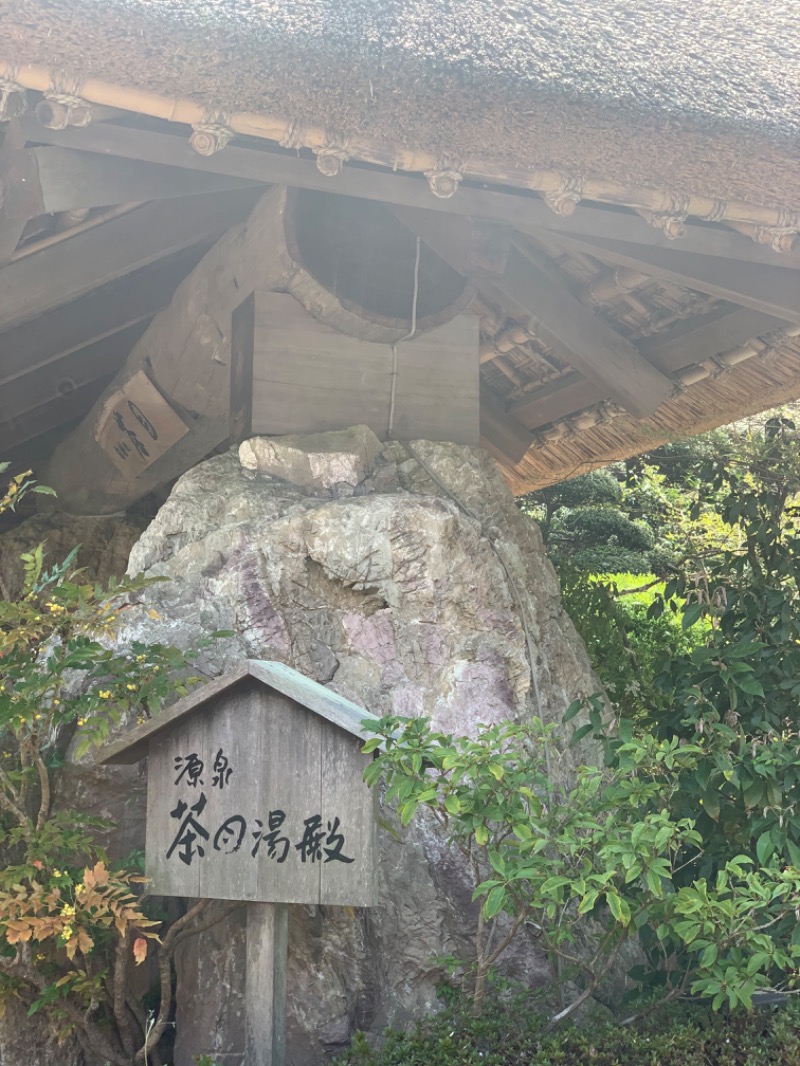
(660, 214)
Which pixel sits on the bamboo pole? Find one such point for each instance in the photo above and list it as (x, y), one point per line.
(557, 187)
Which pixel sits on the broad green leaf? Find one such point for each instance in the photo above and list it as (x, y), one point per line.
(764, 847)
(495, 901)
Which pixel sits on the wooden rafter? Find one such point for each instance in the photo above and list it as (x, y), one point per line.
(47, 180)
(574, 332)
(55, 334)
(501, 434)
(56, 380)
(697, 339)
(524, 211)
(73, 268)
(52, 415)
(685, 344)
(10, 228)
(771, 289)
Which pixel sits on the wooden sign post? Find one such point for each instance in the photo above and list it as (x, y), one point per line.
(256, 793)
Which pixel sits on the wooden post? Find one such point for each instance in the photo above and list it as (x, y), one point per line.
(265, 995)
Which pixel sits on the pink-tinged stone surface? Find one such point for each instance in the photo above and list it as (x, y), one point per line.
(406, 602)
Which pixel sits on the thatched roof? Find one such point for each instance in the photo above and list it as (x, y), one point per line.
(666, 94)
(639, 160)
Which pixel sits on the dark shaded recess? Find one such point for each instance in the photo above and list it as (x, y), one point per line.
(363, 256)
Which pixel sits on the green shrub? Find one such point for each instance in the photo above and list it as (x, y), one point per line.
(513, 1035)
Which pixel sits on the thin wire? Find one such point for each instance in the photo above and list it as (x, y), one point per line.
(407, 337)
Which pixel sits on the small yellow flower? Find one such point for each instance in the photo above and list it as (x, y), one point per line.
(104, 694)
(131, 688)
(56, 703)
(57, 873)
(141, 658)
(38, 717)
(81, 721)
(68, 910)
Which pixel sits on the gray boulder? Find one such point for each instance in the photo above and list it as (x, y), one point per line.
(405, 578)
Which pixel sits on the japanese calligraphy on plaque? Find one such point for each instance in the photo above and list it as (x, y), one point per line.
(138, 426)
(256, 792)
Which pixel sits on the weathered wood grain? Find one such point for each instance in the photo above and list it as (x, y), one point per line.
(255, 795)
(241, 404)
(349, 811)
(265, 989)
(308, 377)
(523, 211)
(46, 180)
(581, 338)
(501, 432)
(113, 307)
(771, 289)
(290, 784)
(74, 267)
(186, 351)
(170, 876)
(231, 741)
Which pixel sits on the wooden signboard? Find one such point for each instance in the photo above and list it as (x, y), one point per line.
(138, 426)
(256, 793)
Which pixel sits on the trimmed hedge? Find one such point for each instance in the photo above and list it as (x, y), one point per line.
(512, 1036)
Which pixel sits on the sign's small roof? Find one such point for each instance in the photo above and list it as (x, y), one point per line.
(310, 694)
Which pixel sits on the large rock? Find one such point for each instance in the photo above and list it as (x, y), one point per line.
(104, 546)
(418, 589)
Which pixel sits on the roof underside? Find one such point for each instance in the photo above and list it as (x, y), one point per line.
(629, 90)
(619, 169)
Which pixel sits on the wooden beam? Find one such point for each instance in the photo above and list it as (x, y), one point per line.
(501, 433)
(47, 180)
(685, 344)
(50, 416)
(599, 222)
(185, 355)
(524, 211)
(74, 267)
(556, 400)
(697, 339)
(688, 343)
(577, 335)
(770, 289)
(11, 229)
(10, 232)
(58, 379)
(55, 333)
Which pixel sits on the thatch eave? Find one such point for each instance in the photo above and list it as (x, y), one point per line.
(618, 99)
(658, 190)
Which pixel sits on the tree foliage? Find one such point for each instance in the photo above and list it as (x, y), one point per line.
(73, 925)
(594, 861)
(689, 837)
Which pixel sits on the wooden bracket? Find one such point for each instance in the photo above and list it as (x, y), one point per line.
(583, 339)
